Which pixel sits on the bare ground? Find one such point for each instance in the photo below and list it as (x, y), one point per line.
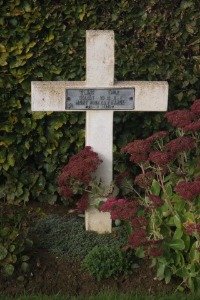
(51, 274)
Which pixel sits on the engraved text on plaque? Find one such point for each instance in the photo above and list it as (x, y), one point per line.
(113, 99)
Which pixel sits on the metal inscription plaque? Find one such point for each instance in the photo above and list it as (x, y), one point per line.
(100, 99)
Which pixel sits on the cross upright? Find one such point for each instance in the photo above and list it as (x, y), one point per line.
(99, 96)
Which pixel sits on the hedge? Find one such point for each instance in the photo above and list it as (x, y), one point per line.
(45, 40)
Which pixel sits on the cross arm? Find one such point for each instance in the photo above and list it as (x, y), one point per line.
(50, 95)
(149, 95)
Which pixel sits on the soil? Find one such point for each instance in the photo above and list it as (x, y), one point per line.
(51, 274)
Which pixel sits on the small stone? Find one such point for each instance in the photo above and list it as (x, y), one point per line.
(71, 211)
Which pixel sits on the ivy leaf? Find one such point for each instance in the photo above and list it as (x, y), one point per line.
(177, 222)
(178, 234)
(38, 115)
(155, 188)
(140, 253)
(194, 253)
(11, 159)
(81, 16)
(3, 252)
(189, 28)
(8, 270)
(3, 59)
(2, 48)
(49, 38)
(2, 155)
(186, 4)
(168, 275)
(27, 7)
(161, 271)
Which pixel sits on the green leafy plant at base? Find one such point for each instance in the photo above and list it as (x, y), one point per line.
(14, 241)
(163, 220)
(106, 262)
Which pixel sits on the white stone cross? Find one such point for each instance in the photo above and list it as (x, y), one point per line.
(51, 96)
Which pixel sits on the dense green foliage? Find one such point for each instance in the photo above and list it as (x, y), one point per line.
(14, 241)
(45, 40)
(69, 238)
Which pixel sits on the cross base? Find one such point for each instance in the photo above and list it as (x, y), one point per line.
(97, 221)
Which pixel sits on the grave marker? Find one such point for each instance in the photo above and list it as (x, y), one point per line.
(99, 96)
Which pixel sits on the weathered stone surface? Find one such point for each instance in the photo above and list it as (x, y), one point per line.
(98, 221)
(100, 58)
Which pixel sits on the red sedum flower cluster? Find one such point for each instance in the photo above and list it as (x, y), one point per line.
(78, 172)
(186, 119)
(82, 204)
(161, 158)
(120, 208)
(180, 118)
(195, 108)
(192, 228)
(194, 126)
(139, 150)
(139, 222)
(127, 211)
(181, 144)
(138, 238)
(157, 135)
(155, 201)
(156, 251)
(188, 190)
(144, 180)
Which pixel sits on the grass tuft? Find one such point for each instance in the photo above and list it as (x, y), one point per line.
(107, 295)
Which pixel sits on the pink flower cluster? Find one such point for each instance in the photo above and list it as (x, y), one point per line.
(142, 150)
(126, 210)
(82, 204)
(155, 248)
(192, 126)
(157, 135)
(139, 238)
(78, 171)
(156, 251)
(180, 118)
(186, 119)
(138, 149)
(139, 222)
(161, 158)
(120, 208)
(188, 190)
(195, 108)
(192, 228)
(144, 180)
(155, 201)
(181, 144)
